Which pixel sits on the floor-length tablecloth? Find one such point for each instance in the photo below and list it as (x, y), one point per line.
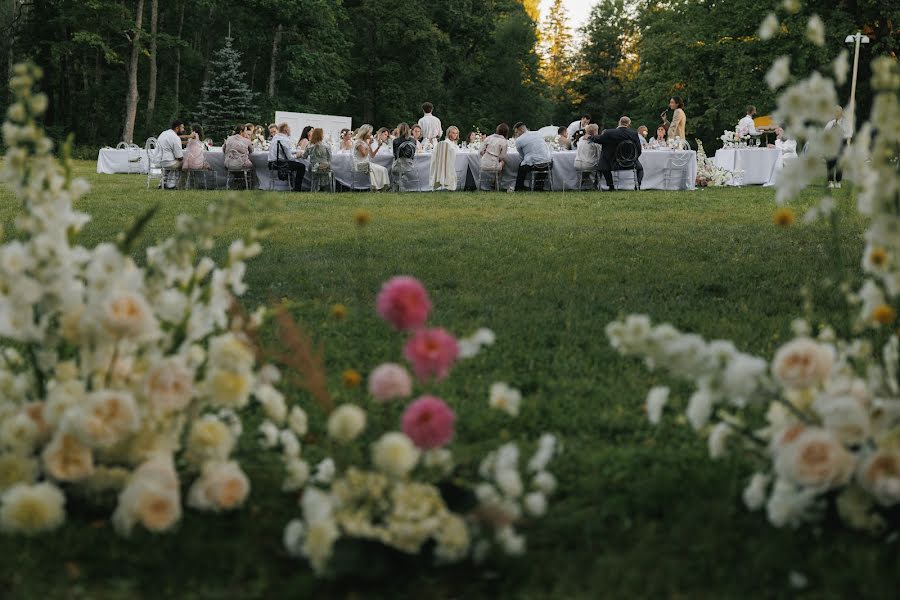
(111, 161)
(758, 164)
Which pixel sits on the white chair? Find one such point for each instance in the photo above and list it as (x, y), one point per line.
(155, 171)
(677, 171)
(135, 159)
(122, 146)
(317, 178)
(493, 176)
(543, 173)
(360, 171)
(410, 176)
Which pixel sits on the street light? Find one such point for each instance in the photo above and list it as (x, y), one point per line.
(857, 39)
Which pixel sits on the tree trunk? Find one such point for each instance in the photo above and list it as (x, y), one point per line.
(151, 89)
(131, 95)
(178, 60)
(276, 42)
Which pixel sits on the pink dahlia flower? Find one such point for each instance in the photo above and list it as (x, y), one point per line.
(403, 302)
(431, 352)
(389, 381)
(428, 422)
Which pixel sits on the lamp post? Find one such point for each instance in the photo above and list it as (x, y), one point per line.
(856, 39)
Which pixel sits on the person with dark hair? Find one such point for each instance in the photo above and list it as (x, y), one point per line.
(578, 126)
(562, 138)
(404, 147)
(170, 152)
(610, 140)
(677, 128)
(747, 124)
(303, 142)
(273, 130)
(493, 149)
(194, 157)
(534, 152)
(430, 124)
(346, 140)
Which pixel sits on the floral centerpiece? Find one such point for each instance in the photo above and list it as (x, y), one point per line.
(260, 143)
(709, 174)
(478, 141)
(820, 419)
(376, 477)
(121, 382)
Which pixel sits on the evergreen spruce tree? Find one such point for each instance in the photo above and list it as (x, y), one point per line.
(226, 99)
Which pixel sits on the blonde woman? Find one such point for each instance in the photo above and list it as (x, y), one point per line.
(362, 154)
(453, 134)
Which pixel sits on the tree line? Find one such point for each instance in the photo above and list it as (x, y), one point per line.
(122, 69)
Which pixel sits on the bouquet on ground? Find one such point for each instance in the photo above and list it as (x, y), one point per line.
(821, 419)
(377, 478)
(708, 173)
(121, 382)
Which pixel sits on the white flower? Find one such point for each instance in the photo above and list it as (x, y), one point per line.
(657, 398)
(510, 483)
(229, 388)
(700, 408)
(505, 398)
(290, 445)
(297, 474)
(230, 353)
(718, 438)
(768, 27)
(840, 66)
(798, 580)
(169, 385)
(394, 454)
(32, 509)
(485, 337)
(298, 421)
(440, 459)
(270, 434)
(844, 416)
(272, 401)
(755, 492)
(151, 498)
(222, 486)
(107, 418)
(815, 30)
(210, 439)
(536, 504)
(325, 471)
(19, 433)
(814, 458)
(317, 505)
(802, 363)
(511, 542)
(292, 538)
(544, 482)
(319, 542)
(879, 475)
(543, 454)
(346, 422)
(790, 504)
(791, 6)
(779, 72)
(127, 314)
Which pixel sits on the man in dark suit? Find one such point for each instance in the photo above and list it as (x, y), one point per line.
(610, 140)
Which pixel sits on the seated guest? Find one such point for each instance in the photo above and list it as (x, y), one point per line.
(303, 142)
(534, 152)
(443, 175)
(578, 125)
(642, 132)
(404, 152)
(611, 139)
(746, 124)
(562, 138)
(282, 155)
(318, 152)
(273, 130)
(346, 140)
(660, 139)
(170, 152)
(395, 133)
(381, 141)
(194, 157)
(453, 134)
(416, 133)
(787, 147)
(470, 139)
(588, 154)
(238, 148)
(362, 154)
(493, 149)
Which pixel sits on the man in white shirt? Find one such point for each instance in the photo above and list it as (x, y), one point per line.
(576, 126)
(171, 153)
(430, 124)
(282, 157)
(747, 122)
(534, 151)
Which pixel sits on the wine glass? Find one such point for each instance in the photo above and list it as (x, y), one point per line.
(757, 142)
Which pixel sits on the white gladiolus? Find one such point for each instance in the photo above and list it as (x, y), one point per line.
(755, 492)
(769, 27)
(298, 421)
(779, 73)
(700, 408)
(815, 30)
(790, 505)
(718, 438)
(657, 398)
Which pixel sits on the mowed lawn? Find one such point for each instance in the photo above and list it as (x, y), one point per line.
(641, 511)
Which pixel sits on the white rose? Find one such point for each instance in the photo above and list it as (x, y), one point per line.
(127, 314)
(879, 475)
(169, 385)
(107, 418)
(222, 486)
(536, 504)
(297, 474)
(803, 363)
(815, 459)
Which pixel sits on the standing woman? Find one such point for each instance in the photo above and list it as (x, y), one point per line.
(362, 153)
(677, 128)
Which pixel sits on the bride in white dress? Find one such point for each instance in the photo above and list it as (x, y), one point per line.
(362, 152)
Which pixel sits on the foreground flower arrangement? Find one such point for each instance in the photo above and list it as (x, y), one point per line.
(120, 384)
(378, 476)
(822, 418)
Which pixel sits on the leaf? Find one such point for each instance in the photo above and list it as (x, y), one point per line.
(136, 229)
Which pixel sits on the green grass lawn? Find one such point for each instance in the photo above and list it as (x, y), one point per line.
(641, 511)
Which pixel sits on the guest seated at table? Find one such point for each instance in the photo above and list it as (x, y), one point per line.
(171, 153)
(470, 139)
(282, 156)
(346, 142)
(303, 142)
(381, 141)
(746, 124)
(562, 138)
(404, 152)
(194, 157)
(416, 133)
(660, 139)
(787, 147)
(588, 153)
(238, 148)
(273, 130)
(611, 139)
(362, 153)
(442, 171)
(534, 152)
(453, 134)
(642, 132)
(493, 149)
(318, 152)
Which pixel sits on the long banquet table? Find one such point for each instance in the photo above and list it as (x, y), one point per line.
(468, 168)
(758, 164)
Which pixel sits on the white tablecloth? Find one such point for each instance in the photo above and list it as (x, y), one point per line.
(110, 161)
(758, 164)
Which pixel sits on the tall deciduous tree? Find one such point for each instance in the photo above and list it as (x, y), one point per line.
(151, 86)
(131, 95)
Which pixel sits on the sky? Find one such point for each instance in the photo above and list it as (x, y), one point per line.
(578, 11)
